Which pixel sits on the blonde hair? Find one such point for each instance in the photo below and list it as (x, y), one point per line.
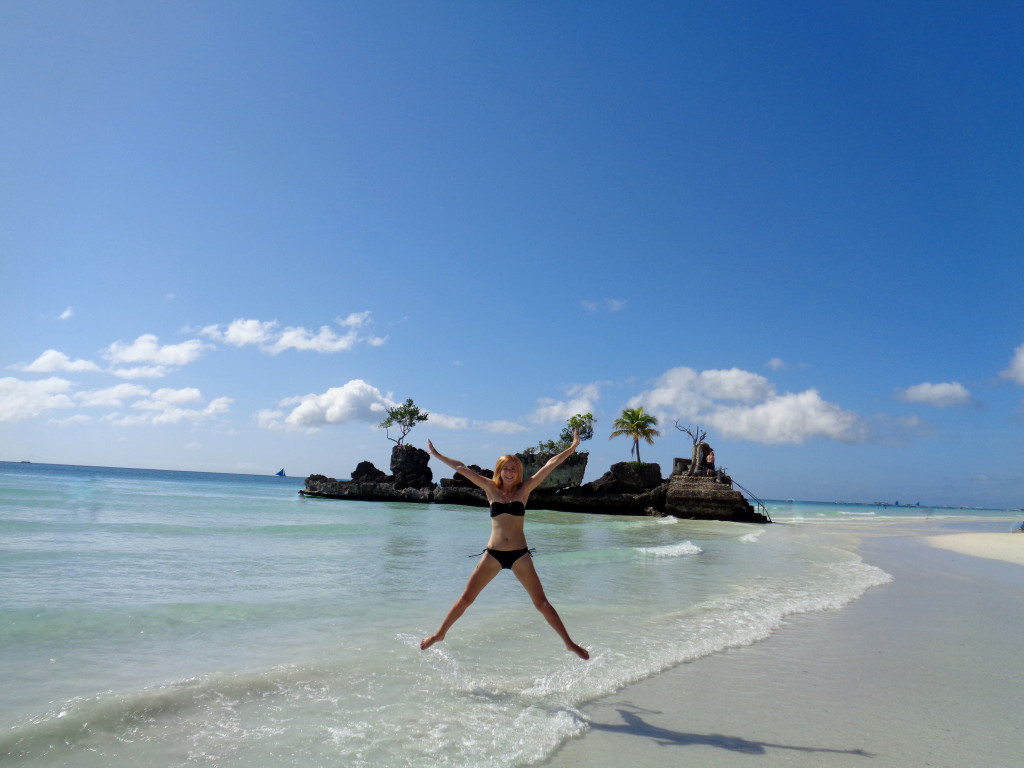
(500, 465)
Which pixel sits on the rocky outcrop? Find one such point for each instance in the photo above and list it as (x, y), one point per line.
(410, 467)
(365, 472)
(627, 477)
(624, 489)
(706, 498)
(329, 488)
(411, 479)
(568, 475)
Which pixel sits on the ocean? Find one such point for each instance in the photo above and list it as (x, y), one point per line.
(187, 619)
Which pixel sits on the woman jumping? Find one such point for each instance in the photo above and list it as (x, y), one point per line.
(507, 494)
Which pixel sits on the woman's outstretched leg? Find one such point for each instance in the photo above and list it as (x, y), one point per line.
(527, 575)
(486, 569)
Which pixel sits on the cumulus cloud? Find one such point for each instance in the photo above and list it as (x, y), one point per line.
(943, 395)
(243, 332)
(166, 406)
(791, 418)
(147, 349)
(356, 400)
(744, 405)
(52, 361)
(111, 397)
(684, 391)
(1015, 372)
(776, 364)
(141, 372)
(20, 400)
(582, 399)
(267, 335)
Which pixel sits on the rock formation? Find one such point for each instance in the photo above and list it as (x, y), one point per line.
(410, 467)
(625, 489)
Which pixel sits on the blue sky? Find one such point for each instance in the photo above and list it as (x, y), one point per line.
(231, 233)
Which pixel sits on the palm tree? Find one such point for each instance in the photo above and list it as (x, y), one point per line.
(636, 424)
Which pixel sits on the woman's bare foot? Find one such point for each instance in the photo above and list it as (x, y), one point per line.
(426, 642)
(579, 650)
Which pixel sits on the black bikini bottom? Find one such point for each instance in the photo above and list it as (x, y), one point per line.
(506, 557)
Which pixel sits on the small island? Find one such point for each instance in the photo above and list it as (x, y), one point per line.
(696, 489)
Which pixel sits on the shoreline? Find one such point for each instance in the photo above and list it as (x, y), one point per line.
(921, 671)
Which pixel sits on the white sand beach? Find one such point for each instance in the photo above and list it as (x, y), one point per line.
(997, 546)
(925, 671)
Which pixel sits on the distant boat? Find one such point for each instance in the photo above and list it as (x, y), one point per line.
(281, 474)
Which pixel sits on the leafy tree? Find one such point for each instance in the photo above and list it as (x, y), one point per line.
(584, 422)
(638, 425)
(405, 417)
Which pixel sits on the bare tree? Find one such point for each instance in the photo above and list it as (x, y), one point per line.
(697, 435)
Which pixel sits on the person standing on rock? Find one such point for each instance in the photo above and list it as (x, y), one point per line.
(507, 495)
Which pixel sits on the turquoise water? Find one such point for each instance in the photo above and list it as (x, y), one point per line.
(177, 619)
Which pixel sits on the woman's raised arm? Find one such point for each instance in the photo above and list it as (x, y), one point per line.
(477, 479)
(541, 474)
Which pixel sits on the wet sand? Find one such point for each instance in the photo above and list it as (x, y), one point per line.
(925, 671)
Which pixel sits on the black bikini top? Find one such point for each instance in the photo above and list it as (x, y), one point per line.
(516, 508)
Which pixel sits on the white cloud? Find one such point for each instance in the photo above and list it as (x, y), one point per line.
(164, 407)
(78, 418)
(356, 400)
(733, 384)
(111, 397)
(448, 422)
(270, 419)
(1015, 372)
(325, 341)
(166, 397)
(790, 418)
(582, 399)
(147, 349)
(265, 334)
(500, 427)
(942, 395)
(67, 314)
(141, 372)
(247, 331)
(51, 361)
(356, 319)
(461, 422)
(685, 392)
(744, 405)
(776, 364)
(20, 400)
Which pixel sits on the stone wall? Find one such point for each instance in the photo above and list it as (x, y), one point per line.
(703, 498)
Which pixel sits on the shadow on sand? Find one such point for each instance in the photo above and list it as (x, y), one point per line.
(634, 725)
